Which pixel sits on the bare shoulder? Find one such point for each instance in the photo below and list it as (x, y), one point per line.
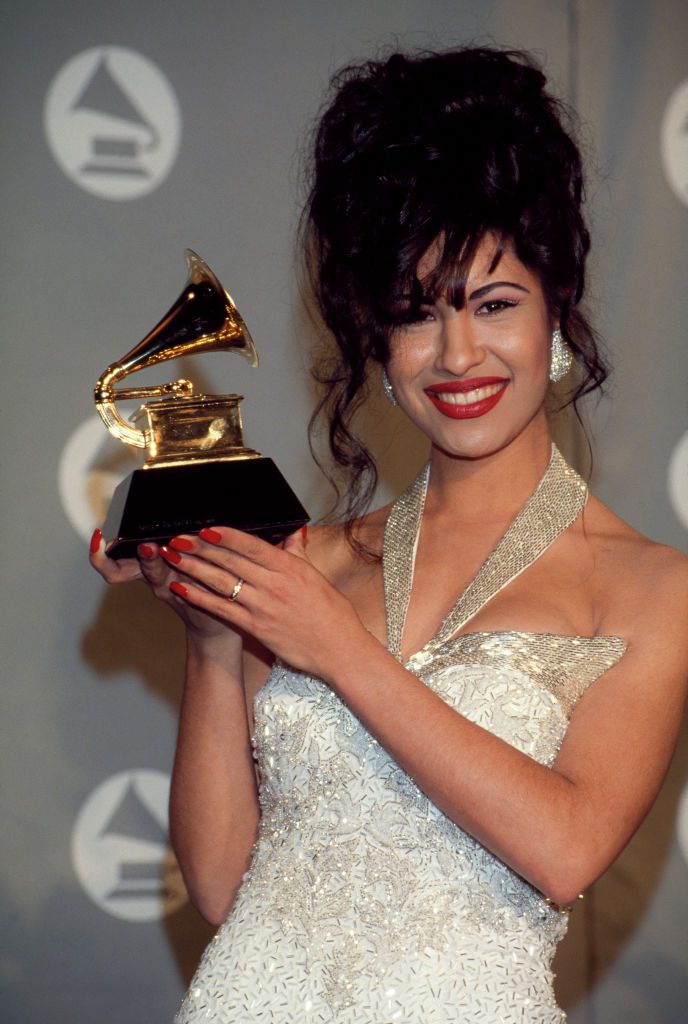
(331, 552)
(639, 583)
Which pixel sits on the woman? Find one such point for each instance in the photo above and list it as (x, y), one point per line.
(473, 703)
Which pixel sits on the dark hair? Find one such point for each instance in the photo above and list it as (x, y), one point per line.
(430, 147)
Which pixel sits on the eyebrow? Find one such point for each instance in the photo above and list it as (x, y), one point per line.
(479, 292)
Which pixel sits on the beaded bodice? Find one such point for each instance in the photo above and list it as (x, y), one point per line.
(368, 902)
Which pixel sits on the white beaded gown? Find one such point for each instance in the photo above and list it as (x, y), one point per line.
(364, 903)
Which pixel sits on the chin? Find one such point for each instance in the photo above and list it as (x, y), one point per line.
(471, 453)
(480, 442)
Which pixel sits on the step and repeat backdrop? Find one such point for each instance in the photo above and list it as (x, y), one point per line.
(132, 131)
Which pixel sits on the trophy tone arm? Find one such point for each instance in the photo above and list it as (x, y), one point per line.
(106, 398)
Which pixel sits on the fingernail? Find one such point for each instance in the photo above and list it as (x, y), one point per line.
(304, 533)
(178, 588)
(96, 538)
(181, 544)
(146, 551)
(170, 556)
(212, 536)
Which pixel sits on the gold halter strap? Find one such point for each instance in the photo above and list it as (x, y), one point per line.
(554, 505)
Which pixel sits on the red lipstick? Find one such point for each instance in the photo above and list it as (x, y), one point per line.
(488, 391)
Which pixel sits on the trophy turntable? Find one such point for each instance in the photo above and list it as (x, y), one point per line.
(197, 472)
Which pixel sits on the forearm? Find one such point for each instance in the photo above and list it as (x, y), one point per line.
(525, 813)
(213, 804)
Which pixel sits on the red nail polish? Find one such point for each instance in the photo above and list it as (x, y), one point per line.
(95, 541)
(146, 551)
(212, 536)
(181, 544)
(178, 588)
(170, 556)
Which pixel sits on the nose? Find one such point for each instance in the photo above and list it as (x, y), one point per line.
(459, 348)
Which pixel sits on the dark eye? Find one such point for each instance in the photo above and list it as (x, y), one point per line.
(492, 306)
(421, 316)
(413, 316)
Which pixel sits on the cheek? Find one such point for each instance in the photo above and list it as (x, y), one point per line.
(409, 355)
(529, 351)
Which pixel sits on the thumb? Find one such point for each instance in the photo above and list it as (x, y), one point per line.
(295, 543)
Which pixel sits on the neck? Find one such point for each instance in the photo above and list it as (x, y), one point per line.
(490, 487)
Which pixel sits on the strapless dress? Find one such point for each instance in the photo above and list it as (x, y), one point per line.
(364, 903)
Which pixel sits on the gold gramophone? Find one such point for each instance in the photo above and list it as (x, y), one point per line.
(198, 471)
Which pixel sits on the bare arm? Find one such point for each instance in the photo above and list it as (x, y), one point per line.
(213, 801)
(214, 812)
(559, 828)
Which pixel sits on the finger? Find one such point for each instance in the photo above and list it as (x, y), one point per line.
(112, 570)
(232, 612)
(212, 553)
(155, 569)
(245, 544)
(222, 579)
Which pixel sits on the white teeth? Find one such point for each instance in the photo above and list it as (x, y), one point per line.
(468, 397)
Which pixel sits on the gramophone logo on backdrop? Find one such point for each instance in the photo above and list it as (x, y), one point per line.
(674, 146)
(90, 467)
(112, 122)
(678, 480)
(675, 141)
(120, 850)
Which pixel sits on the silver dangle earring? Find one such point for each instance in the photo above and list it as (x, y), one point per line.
(560, 357)
(387, 387)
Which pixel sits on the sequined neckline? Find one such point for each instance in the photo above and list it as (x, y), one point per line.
(554, 505)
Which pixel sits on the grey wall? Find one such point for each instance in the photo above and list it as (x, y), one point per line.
(208, 155)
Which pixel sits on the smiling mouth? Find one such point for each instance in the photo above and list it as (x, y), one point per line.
(467, 399)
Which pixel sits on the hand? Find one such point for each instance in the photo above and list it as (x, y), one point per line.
(158, 573)
(113, 571)
(273, 593)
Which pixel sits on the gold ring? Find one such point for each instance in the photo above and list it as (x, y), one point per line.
(237, 589)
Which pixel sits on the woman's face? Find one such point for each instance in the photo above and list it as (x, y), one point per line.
(475, 378)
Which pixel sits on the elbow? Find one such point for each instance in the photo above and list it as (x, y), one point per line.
(211, 903)
(212, 873)
(565, 878)
(214, 913)
(562, 892)
(212, 887)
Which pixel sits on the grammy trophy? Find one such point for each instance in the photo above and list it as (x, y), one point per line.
(197, 472)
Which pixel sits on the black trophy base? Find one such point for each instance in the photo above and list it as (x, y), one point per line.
(154, 505)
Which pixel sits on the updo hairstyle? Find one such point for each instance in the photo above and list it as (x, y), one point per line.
(427, 148)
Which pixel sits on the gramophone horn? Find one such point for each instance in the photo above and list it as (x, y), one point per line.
(203, 319)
